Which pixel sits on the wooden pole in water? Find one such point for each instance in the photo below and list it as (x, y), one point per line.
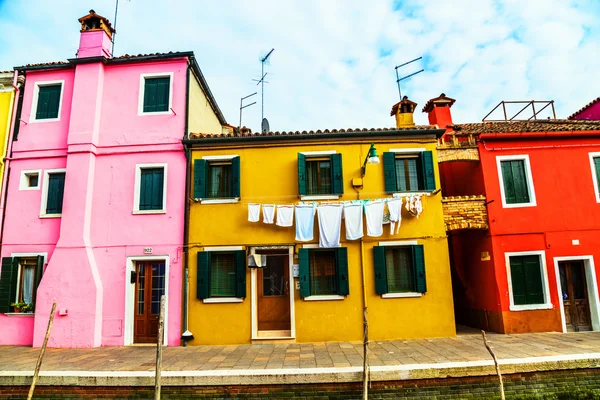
(366, 357)
(38, 365)
(159, 346)
(489, 349)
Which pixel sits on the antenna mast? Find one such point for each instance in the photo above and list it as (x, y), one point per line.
(262, 82)
(399, 79)
(112, 49)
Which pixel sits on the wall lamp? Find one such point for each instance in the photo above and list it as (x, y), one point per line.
(372, 158)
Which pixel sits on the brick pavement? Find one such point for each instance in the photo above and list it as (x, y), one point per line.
(303, 355)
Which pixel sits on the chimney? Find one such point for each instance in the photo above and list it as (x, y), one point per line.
(403, 110)
(96, 36)
(438, 111)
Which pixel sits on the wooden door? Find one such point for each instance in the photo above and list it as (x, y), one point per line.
(575, 296)
(274, 294)
(149, 287)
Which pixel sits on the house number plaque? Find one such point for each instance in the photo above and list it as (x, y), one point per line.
(147, 250)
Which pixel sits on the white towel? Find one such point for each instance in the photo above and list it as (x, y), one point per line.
(395, 207)
(330, 225)
(418, 206)
(285, 216)
(253, 212)
(305, 223)
(268, 213)
(374, 214)
(354, 221)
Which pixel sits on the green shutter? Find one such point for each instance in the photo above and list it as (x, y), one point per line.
(42, 104)
(304, 277)
(337, 174)
(517, 278)
(56, 189)
(389, 170)
(151, 188)
(301, 174)
(533, 280)
(341, 260)
(428, 171)
(48, 102)
(418, 259)
(39, 271)
(150, 88)
(158, 187)
(240, 273)
(200, 178)
(203, 273)
(381, 286)
(235, 177)
(162, 94)
(8, 283)
(597, 165)
(514, 181)
(145, 189)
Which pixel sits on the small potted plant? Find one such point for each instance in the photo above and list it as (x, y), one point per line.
(22, 307)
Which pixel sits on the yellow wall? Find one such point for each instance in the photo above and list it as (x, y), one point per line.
(269, 175)
(6, 106)
(202, 118)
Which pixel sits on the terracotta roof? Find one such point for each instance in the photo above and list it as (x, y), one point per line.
(307, 133)
(584, 108)
(92, 14)
(557, 125)
(405, 100)
(441, 99)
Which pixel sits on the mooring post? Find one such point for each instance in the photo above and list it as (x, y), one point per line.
(38, 365)
(159, 346)
(489, 349)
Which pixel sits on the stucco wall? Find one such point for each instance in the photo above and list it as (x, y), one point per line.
(202, 118)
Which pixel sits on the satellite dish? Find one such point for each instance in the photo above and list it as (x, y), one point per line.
(265, 126)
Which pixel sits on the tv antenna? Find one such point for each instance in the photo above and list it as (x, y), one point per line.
(112, 49)
(247, 105)
(262, 82)
(399, 78)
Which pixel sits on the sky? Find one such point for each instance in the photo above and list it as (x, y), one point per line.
(333, 64)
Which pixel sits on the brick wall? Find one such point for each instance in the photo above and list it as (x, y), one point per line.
(484, 387)
(465, 212)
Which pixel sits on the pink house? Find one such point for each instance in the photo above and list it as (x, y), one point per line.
(95, 203)
(590, 111)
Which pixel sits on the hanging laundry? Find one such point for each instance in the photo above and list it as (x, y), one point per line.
(414, 205)
(395, 207)
(253, 212)
(353, 219)
(418, 206)
(268, 213)
(386, 213)
(257, 260)
(330, 225)
(285, 216)
(374, 214)
(305, 222)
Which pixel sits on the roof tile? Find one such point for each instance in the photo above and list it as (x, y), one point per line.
(557, 125)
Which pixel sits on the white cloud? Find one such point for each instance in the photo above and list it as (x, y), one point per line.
(326, 71)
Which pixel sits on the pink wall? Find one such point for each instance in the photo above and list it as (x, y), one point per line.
(590, 113)
(17, 330)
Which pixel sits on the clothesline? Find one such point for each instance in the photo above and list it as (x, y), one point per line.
(295, 200)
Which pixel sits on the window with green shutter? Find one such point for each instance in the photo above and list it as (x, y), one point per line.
(514, 181)
(408, 172)
(526, 280)
(48, 101)
(221, 274)
(152, 183)
(218, 179)
(399, 269)
(320, 175)
(19, 280)
(156, 94)
(324, 272)
(55, 193)
(597, 170)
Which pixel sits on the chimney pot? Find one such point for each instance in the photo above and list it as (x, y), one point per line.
(438, 110)
(95, 37)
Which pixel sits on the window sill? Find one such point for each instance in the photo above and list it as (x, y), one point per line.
(142, 212)
(518, 205)
(220, 201)
(325, 297)
(37, 121)
(168, 112)
(320, 197)
(408, 194)
(215, 300)
(50, 215)
(30, 188)
(530, 307)
(19, 314)
(401, 295)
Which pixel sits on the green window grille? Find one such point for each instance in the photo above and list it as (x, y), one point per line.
(152, 188)
(526, 280)
(221, 274)
(56, 189)
(399, 269)
(217, 179)
(515, 183)
(408, 172)
(48, 101)
(320, 175)
(323, 272)
(156, 94)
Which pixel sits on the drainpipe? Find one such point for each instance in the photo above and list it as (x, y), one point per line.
(14, 122)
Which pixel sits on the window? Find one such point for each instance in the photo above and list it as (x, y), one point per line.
(399, 269)
(217, 178)
(595, 164)
(30, 180)
(150, 189)
(516, 182)
(527, 281)
(406, 172)
(320, 174)
(323, 272)
(47, 101)
(19, 279)
(155, 93)
(221, 274)
(53, 192)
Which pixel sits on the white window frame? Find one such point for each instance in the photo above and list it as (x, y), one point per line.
(221, 300)
(36, 93)
(400, 243)
(44, 201)
(316, 197)
(138, 184)
(234, 200)
(594, 175)
(528, 176)
(24, 255)
(24, 180)
(143, 89)
(321, 297)
(547, 305)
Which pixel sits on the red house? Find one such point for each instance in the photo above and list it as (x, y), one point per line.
(533, 268)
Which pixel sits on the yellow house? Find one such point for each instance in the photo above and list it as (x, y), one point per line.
(256, 281)
(7, 100)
